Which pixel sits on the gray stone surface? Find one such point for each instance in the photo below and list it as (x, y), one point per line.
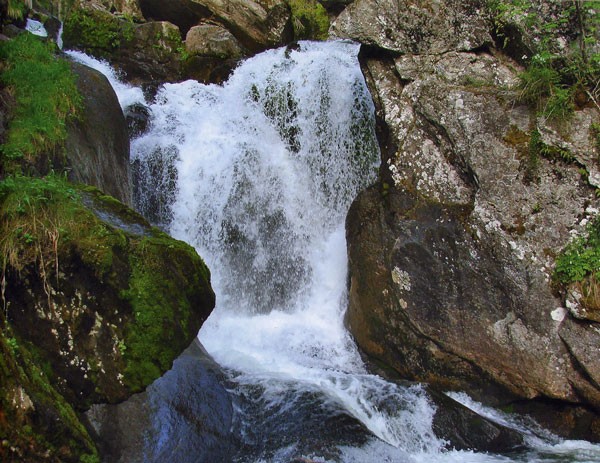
(452, 252)
(213, 41)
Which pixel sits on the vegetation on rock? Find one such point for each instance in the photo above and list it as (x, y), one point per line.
(559, 75)
(45, 98)
(96, 303)
(578, 266)
(309, 20)
(97, 31)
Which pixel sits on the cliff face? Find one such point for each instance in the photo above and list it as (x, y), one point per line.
(452, 251)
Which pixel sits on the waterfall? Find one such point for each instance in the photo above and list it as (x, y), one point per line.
(258, 175)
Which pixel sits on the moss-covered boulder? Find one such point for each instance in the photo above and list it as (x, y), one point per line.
(147, 52)
(96, 303)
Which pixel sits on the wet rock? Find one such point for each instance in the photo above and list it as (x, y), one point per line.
(184, 416)
(464, 429)
(137, 117)
(212, 41)
(209, 70)
(97, 144)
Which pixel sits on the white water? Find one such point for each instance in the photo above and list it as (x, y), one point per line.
(127, 94)
(258, 176)
(36, 28)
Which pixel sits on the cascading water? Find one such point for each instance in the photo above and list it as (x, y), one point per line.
(266, 167)
(258, 175)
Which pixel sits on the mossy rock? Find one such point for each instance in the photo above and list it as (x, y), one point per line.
(108, 300)
(36, 422)
(96, 31)
(147, 52)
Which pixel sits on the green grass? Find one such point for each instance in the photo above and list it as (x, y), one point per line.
(45, 94)
(555, 75)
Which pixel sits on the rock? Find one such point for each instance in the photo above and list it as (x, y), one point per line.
(97, 144)
(463, 429)
(209, 70)
(256, 26)
(184, 416)
(114, 301)
(137, 117)
(212, 41)
(60, 9)
(38, 423)
(451, 253)
(97, 304)
(414, 27)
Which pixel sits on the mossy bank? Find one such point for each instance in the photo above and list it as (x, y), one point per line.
(96, 303)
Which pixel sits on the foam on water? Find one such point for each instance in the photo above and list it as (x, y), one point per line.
(127, 94)
(36, 28)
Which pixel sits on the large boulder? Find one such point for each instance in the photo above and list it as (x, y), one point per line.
(213, 41)
(97, 305)
(452, 252)
(97, 144)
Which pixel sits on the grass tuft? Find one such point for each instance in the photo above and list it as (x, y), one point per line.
(46, 96)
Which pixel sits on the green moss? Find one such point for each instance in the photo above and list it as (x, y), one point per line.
(49, 428)
(516, 137)
(46, 97)
(96, 31)
(309, 19)
(161, 306)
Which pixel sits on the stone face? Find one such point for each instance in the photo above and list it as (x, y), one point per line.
(212, 41)
(451, 253)
(97, 144)
(184, 416)
(414, 26)
(256, 26)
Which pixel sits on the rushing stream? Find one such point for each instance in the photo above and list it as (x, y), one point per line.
(258, 175)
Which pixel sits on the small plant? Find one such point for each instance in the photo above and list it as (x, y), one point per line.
(309, 19)
(555, 76)
(33, 212)
(17, 9)
(581, 258)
